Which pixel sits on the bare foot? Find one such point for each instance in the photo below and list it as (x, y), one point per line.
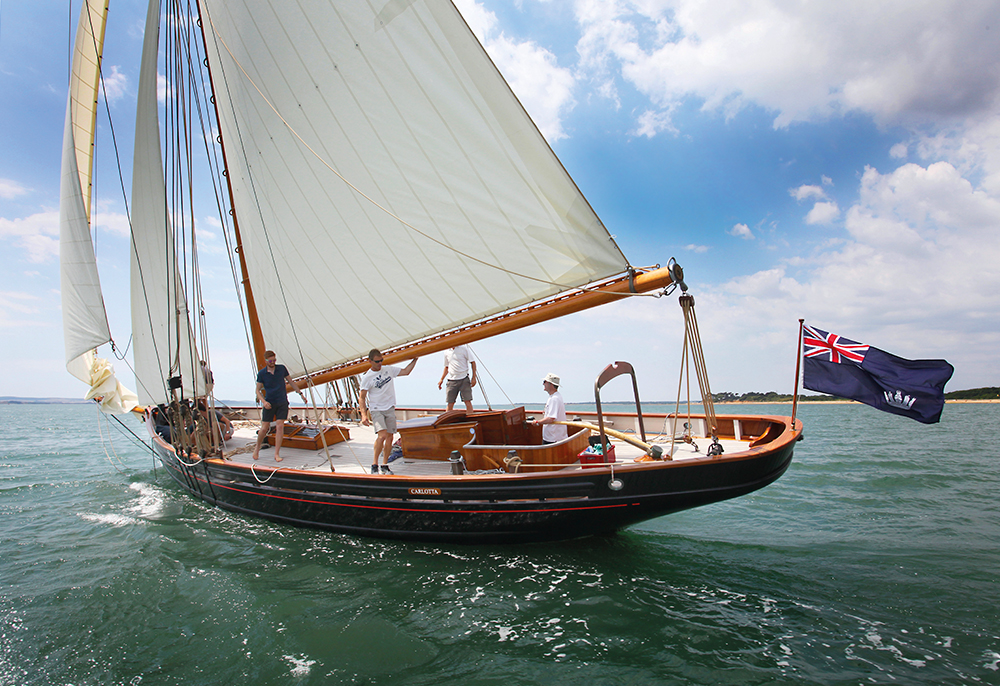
(255, 457)
(277, 459)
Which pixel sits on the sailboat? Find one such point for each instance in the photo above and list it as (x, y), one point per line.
(384, 189)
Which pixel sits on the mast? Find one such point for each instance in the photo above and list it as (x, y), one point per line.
(255, 330)
(535, 313)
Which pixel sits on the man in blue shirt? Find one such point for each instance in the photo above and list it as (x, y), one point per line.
(271, 393)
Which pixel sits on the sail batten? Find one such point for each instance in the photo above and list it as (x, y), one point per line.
(388, 184)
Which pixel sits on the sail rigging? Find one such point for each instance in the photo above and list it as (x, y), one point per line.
(456, 208)
(163, 343)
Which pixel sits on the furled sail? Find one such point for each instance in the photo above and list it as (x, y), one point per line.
(387, 182)
(85, 322)
(162, 344)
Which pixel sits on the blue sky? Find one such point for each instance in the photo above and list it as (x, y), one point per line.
(837, 161)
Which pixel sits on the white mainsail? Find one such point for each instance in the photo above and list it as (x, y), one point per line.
(162, 343)
(459, 209)
(85, 321)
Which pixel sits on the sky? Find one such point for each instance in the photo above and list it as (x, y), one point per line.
(837, 161)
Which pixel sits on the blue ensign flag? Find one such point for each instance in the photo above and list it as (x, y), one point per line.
(847, 369)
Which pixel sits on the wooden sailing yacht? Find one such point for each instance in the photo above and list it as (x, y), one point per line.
(386, 189)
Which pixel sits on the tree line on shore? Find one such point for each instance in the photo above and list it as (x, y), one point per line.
(989, 393)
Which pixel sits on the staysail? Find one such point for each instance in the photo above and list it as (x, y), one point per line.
(162, 343)
(85, 321)
(388, 183)
(87, 50)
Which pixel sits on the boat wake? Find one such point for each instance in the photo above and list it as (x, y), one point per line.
(115, 520)
(300, 666)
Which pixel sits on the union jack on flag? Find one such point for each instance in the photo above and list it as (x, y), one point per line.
(830, 347)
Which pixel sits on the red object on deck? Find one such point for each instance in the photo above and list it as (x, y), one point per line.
(591, 458)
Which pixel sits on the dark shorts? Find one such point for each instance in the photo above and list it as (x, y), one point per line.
(276, 412)
(456, 385)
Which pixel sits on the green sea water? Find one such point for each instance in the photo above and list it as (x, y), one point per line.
(873, 560)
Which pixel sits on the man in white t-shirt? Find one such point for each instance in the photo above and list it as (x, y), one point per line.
(456, 367)
(377, 402)
(555, 411)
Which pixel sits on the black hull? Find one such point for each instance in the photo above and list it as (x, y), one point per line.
(490, 509)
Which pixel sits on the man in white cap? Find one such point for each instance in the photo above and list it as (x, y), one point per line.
(555, 411)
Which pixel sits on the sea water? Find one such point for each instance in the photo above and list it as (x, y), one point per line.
(873, 560)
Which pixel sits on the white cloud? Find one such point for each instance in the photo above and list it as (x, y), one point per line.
(162, 88)
(696, 248)
(973, 148)
(210, 238)
(808, 192)
(651, 123)
(17, 309)
(36, 234)
(115, 222)
(115, 83)
(11, 189)
(741, 231)
(609, 91)
(479, 19)
(932, 200)
(544, 88)
(803, 61)
(823, 213)
(40, 247)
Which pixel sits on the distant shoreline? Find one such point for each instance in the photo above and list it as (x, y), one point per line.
(833, 402)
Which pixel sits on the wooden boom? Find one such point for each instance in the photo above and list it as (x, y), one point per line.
(560, 306)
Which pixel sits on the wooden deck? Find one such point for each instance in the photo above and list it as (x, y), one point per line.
(354, 456)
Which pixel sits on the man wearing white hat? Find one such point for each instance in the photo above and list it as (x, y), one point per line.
(555, 411)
